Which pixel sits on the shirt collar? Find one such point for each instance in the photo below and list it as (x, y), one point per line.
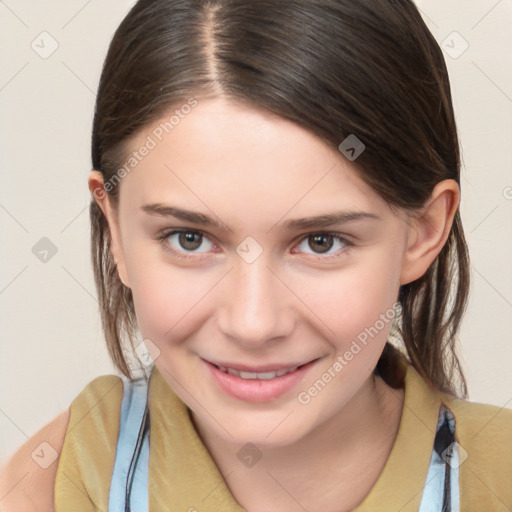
(182, 471)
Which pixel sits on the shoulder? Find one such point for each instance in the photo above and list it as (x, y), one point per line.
(28, 478)
(477, 420)
(88, 453)
(476, 423)
(97, 399)
(484, 435)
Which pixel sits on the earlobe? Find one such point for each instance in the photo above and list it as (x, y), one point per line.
(96, 187)
(429, 231)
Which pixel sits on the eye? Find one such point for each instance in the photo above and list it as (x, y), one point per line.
(181, 241)
(322, 243)
(184, 243)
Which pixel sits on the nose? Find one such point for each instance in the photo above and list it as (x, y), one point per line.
(256, 307)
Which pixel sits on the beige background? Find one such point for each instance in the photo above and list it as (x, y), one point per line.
(52, 344)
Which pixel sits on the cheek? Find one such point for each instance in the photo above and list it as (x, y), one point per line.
(356, 303)
(165, 297)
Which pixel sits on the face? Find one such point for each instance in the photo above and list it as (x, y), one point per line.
(254, 288)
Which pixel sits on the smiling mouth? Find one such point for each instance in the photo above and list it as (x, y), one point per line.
(255, 375)
(269, 383)
(268, 375)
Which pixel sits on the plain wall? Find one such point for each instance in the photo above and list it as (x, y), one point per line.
(52, 343)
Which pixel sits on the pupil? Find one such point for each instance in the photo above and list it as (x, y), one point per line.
(318, 240)
(187, 240)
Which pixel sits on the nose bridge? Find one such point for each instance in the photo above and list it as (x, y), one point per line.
(254, 309)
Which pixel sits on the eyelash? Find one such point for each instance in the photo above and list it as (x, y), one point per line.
(163, 240)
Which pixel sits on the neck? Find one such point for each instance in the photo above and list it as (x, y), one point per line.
(356, 442)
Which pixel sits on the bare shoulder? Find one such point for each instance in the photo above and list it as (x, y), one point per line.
(27, 479)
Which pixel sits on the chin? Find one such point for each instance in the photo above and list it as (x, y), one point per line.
(261, 434)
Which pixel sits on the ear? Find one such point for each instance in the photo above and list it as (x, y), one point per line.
(99, 194)
(428, 232)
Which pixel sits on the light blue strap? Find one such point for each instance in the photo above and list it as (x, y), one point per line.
(454, 482)
(432, 500)
(139, 495)
(132, 413)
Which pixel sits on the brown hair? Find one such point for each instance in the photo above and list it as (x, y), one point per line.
(335, 67)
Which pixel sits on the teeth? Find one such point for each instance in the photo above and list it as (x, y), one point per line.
(260, 376)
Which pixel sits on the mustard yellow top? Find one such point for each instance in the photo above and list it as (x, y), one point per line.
(183, 475)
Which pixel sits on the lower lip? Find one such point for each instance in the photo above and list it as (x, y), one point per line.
(256, 390)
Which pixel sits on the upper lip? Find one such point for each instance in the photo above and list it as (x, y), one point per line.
(258, 369)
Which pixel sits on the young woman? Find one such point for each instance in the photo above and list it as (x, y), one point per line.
(275, 196)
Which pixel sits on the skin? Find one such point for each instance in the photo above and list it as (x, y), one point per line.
(294, 303)
(26, 486)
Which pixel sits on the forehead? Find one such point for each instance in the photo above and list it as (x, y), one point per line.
(224, 152)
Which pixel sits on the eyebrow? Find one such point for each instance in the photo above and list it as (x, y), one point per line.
(316, 222)
(161, 210)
